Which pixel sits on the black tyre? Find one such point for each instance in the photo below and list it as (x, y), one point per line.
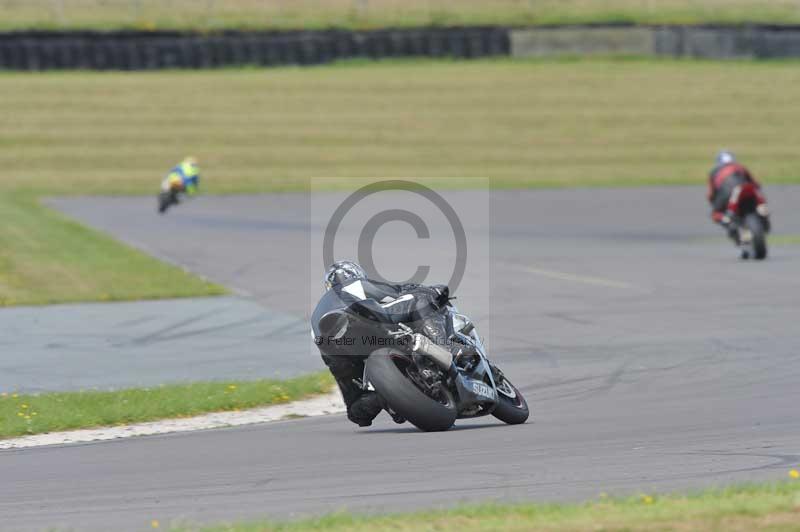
(511, 406)
(164, 201)
(757, 247)
(386, 371)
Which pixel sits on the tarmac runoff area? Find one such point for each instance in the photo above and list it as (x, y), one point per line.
(122, 345)
(652, 358)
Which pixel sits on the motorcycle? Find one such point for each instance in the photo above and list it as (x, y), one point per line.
(419, 380)
(750, 221)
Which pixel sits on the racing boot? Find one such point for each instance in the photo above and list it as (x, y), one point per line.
(733, 234)
(731, 227)
(364, 409)
(362, 406)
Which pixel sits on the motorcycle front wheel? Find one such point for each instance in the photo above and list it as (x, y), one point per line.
(390, 374)
(511, 405)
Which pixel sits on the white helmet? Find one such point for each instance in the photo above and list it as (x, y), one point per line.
(342, 271)
(725, 157)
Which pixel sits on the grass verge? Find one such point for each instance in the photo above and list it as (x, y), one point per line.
(287, 14)
(22, 415)
(774, 507)
(522, 123)
(772, 240)
(784, 240)
(46, 258)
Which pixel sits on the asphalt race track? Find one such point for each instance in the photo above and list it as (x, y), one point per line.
(147, 343)
(652, 358)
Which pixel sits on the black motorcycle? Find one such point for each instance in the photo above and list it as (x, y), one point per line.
(418, 379)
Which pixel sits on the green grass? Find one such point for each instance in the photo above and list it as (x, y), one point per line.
(35, 414)
(774, 507)
(522, 123)
(286, 14)
(46, 258)
(772, 239)
(784, 240)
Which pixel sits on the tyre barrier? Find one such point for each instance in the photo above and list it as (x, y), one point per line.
(746, 42)
(709, 42)
(160, 50)
(127, 50)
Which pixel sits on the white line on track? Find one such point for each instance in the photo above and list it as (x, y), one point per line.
(564, 276)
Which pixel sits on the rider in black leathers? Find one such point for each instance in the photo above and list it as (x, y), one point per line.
(415, 305)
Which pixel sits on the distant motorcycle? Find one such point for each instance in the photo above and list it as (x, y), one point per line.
(167, 197)
(750, 221)
(417, 378)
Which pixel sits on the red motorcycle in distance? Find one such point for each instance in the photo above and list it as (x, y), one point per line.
(750, 218)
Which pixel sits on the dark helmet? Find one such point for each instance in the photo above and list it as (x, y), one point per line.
(341, 272)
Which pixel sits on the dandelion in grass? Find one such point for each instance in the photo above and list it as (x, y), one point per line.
(794, 473)
(647, 499)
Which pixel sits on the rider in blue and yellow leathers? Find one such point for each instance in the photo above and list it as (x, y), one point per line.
(185, 177)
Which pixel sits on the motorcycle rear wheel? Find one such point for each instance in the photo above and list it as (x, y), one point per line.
(757, 246)
(383, 371)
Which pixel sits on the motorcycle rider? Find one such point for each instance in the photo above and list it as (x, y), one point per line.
(723, 180)
(416, 305)
(184, 177)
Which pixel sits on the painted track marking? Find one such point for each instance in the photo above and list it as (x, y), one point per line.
(564, 276)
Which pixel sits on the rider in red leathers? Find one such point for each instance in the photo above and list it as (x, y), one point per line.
(724, 182)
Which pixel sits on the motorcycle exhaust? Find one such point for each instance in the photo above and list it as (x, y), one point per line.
(425, 346)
